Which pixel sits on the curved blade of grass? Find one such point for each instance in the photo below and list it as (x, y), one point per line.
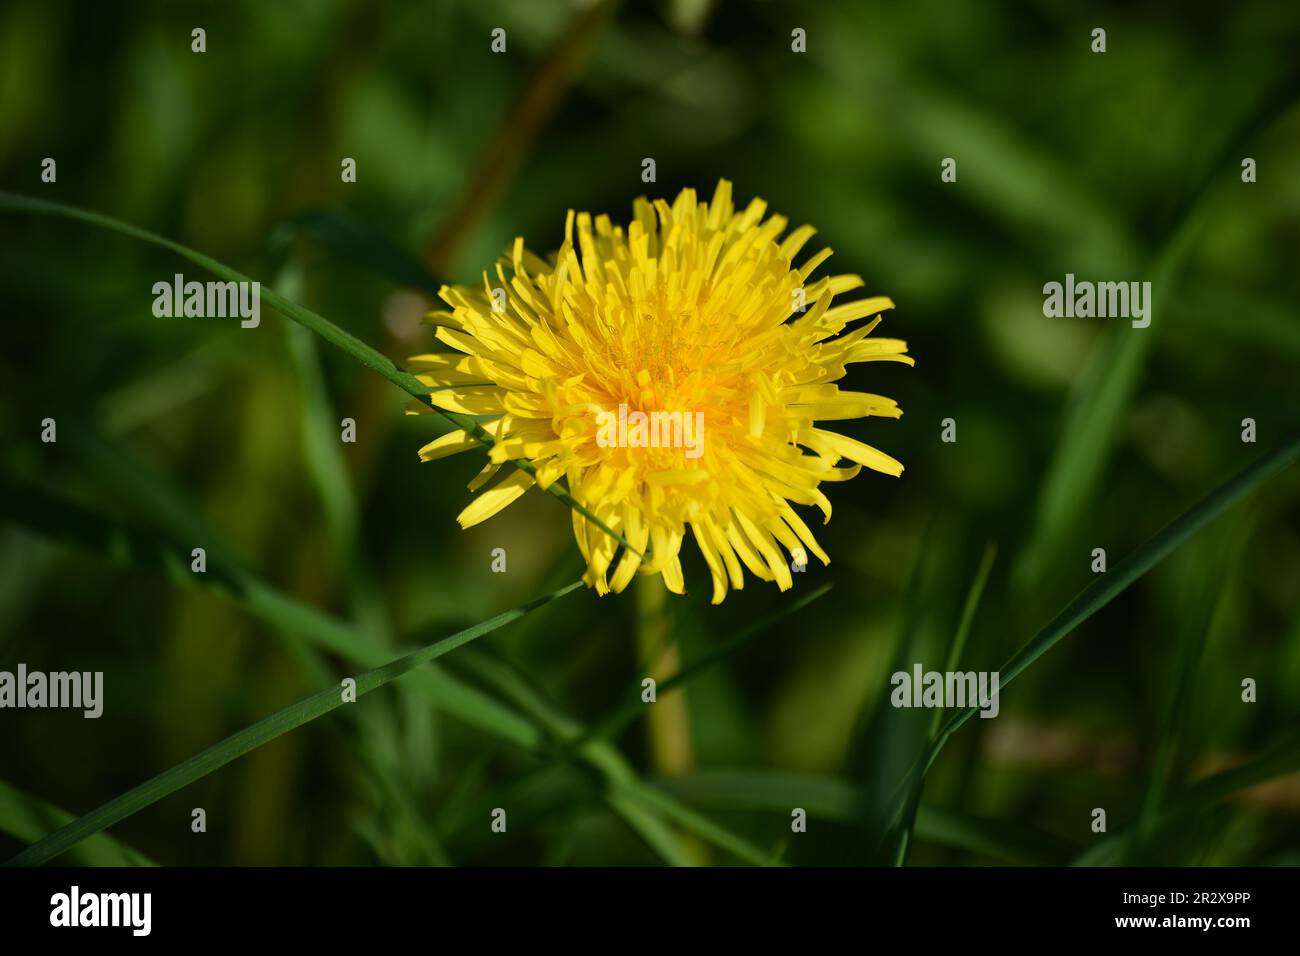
(255, 735)
(839, 801)
(1278, 760)
(658, 835)
(1209, 588)
(460, 814)
(115, 468)
(29, 819)
(1090, 425)
(399, 757)
(580, 740)
(157, 392)
(328, 470)
(412, 753)
(973, 597)
(45, 514)
(887, 739)
(1092, 421)
(622, 783)
(1108, 586)
(1014, 843)
(171, 507)
(698, 823)
(363, 353)
(616, 720)
(37, 510)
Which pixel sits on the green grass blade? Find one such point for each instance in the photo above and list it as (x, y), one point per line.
(650, 827)
(1108, 586)
(363, 353)
(329, 471)
(839, 801)
(621, 781)
(1012, 843)
(38, 511)
(117, 470)
(45, 514)
(610, 725)
(578, 740)
(460, 812)
(255, 735)
(401, 756)
(30, 819)
(696, 822)
(825, 798)
(160, 500)
(1208, 589)
(1092, 422)
(1280, 759)
(955, 650)
(973, 597)
(887, 739)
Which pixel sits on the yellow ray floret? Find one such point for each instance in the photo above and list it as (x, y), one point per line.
(672, 373)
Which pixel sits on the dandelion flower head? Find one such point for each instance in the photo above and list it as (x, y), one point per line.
(676, 375)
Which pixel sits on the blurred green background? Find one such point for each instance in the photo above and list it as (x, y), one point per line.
(1072, 434)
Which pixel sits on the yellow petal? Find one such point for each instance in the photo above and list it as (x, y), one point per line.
(855, 450)
(495, 498)
(449, 444)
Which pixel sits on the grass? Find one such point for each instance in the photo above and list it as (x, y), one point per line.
(1070, 428)
(1105, 589)
(318, 324)
(261, 733)
(33, 507)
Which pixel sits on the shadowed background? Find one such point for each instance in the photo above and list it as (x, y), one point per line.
(1072, 434)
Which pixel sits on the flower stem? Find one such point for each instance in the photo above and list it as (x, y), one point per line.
(668, 722)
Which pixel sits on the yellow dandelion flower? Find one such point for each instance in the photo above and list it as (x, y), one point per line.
(674, 374)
